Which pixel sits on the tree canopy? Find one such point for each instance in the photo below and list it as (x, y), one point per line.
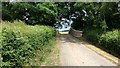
(31, 13)
(104, 15)
(99, 15)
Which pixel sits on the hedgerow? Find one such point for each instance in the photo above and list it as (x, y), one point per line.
(20, 41)
(110, 41)
(107, 40)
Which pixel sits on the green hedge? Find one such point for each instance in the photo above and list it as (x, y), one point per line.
(110, 41)
(20, 41)
(107, 40)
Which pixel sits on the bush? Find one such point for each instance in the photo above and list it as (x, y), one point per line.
(20, 41)
(106, 40)
(92, 35)
(109, 40)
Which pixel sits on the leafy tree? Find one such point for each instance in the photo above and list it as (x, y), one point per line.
(83, 11)
(65, 9)
(48, 13)
(6, 13)
(31, 13)
(95, 14)
(111, 14)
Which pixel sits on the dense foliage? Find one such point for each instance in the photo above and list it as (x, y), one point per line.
(110, 41)
(20, 42)
(31, 13)
(92, 35)
(97, 15)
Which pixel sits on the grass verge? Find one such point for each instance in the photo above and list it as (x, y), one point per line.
(53, 57)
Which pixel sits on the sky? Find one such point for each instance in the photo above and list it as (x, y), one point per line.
(65, 25)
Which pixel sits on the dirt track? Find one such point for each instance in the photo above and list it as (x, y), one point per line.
(73, 53)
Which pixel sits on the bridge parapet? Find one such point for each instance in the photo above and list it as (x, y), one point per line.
(76, 33)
